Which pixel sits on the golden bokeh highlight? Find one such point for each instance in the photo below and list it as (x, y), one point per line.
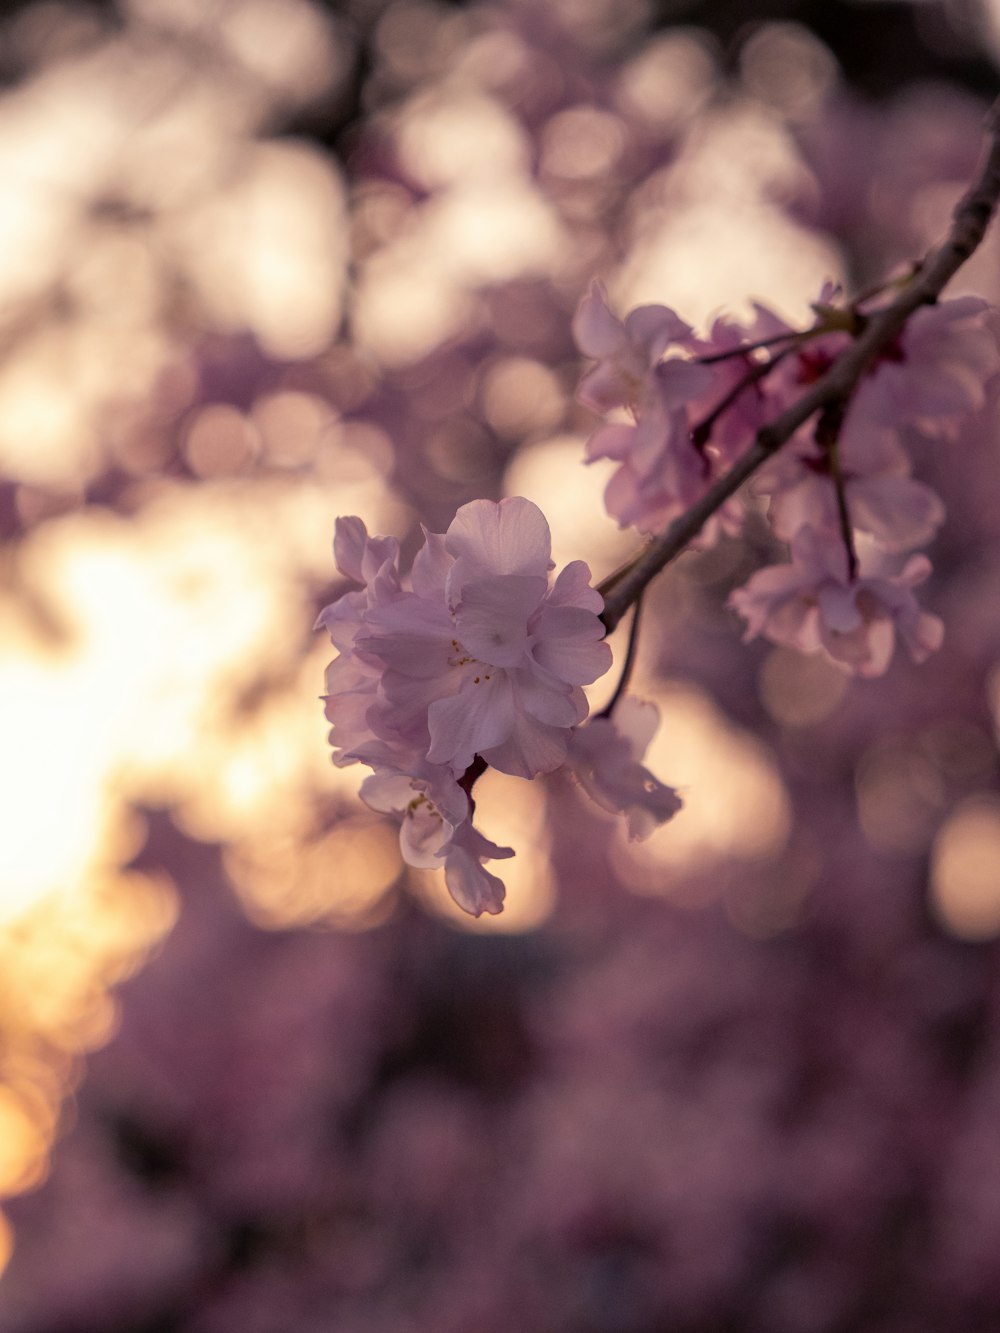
(131, 672)
(714, 227)
(965, 870)
(521, 397)
(785, 66)
(270, 252)
(6, 1242)
(219, 441)
(582, 142)
(667, 83)
(799, 690)
(290, 425)
(487, 221)
(900, 793)
(339, 878)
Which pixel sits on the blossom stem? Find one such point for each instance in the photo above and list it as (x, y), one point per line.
(971, 217)
(628, 666)
(877, 288)
(792, 337)
(827, 437)
(470, 777)
(701, 433)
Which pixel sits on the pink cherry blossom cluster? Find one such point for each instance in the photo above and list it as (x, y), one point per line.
(841, 494)
(476, 659)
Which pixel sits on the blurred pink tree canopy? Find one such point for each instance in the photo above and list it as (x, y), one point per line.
(268, 262)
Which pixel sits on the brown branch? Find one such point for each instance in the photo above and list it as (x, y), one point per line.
(970, 220)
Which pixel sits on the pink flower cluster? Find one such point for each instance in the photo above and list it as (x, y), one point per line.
(683, 408)
(473, 659)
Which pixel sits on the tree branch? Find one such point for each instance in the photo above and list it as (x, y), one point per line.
(970, 220)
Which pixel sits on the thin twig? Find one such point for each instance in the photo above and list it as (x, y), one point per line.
(631, 654)
(969, 223)
(828, 438)
(792, 336)
(701, 433)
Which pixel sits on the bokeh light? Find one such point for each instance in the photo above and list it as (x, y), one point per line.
(965, 870)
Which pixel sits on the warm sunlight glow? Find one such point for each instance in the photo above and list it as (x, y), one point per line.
(799, 691)
(22, 1145)
(965, 870)
(552, 474)
(338, 879)
(717, 233)
(269, 253)
(6, 1242)
(900, 797)
(133, 678)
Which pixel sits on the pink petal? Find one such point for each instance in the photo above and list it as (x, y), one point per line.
(473, 888)
(546, 700)
(678, 380)
(654, 328)
(349, 542)
(465, 724)
(431, 566)
(511, 537)
(492, 618)
(638, 721)
(572, 588)
(568, 642)
(531, 748)
(596, 331)
(839, 609)
(900, 512)
(612, 441)
(606, 387)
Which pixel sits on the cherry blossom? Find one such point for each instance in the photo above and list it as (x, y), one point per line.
(937, 370)
(436, 831)
(605, 757)
(882, 498)
(812, 604)
(626, 351)
(661, 471)
(474, 656)
(489, 659)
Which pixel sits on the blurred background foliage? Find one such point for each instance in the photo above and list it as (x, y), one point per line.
(263, 262)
